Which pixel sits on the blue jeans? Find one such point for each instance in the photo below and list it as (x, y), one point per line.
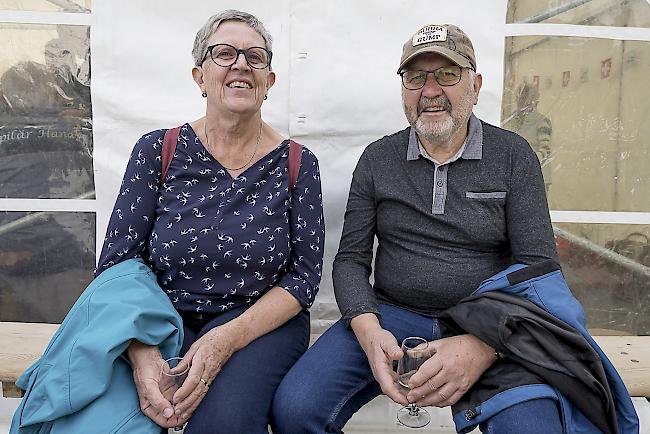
(333, 380)
(239, 398)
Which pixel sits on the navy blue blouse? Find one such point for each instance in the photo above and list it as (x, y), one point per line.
(217, 243)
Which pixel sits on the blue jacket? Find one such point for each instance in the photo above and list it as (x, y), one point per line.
(542, 284)
(83, 383)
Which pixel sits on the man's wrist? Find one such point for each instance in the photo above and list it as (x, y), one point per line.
(364, 323)
(490, 351)
(363, 326)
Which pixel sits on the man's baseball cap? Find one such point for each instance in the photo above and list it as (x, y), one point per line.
(444, 39)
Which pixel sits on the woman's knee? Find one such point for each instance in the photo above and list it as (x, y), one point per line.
(241, 421)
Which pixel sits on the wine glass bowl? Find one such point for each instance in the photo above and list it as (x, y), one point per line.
(416, 351)
(172, 376)
(173, 372)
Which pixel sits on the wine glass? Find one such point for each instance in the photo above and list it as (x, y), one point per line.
(172, 376)
(416, 352)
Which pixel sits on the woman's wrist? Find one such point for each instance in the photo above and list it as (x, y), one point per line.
(137, 351)
(238, 333)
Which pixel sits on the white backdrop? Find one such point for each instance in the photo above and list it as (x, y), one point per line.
(336, 89)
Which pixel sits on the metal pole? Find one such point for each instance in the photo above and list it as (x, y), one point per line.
(69, 5)
(624, 261)
(31, 217)
(554, 11)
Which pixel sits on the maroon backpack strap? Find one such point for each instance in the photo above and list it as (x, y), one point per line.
(295, 155)
(168, 149)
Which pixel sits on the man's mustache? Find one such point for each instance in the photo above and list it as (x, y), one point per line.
(439, 101)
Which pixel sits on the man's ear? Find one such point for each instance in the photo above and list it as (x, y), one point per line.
(478, 82)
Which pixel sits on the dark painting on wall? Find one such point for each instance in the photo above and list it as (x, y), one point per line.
(45, 112)
(46, 261)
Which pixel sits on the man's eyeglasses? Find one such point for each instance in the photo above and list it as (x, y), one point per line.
(445, 76)
(226, 55)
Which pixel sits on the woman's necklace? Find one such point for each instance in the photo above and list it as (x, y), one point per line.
(259, 137)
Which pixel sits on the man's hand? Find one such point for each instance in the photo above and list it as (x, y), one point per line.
(382, 350)
(457, 363)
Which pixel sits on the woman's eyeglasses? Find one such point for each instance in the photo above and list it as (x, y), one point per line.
(226, 55)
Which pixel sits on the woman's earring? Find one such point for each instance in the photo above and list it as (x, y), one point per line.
(266, 97)
(204, 94)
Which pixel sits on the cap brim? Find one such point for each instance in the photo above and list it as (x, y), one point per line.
(443, 51)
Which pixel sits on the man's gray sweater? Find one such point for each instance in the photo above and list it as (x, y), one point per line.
(441, 229)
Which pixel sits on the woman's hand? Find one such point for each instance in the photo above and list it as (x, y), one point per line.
(146, 362)
(206, 357)
(210, 352)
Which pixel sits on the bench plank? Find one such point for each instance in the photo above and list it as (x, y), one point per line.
(21, 344)
(630, 355)
(9, 390)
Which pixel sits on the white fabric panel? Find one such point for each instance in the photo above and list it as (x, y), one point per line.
(347, 82)
(336, 91)
(141, 77)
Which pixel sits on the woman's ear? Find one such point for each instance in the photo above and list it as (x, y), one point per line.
(197, 75)
(270, 80)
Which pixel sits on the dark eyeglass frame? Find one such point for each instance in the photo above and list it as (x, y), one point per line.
(435, 73)
(239, 51)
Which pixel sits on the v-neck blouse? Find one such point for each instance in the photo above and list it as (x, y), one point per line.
(217, 242)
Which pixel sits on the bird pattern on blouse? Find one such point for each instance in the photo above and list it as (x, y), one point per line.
(217, 242)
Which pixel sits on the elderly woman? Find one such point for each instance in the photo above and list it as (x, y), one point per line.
(238, 251)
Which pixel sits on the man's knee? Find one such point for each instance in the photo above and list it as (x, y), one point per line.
(294, 405)
(538, 416)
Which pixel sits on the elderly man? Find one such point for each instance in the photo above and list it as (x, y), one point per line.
(452, 200)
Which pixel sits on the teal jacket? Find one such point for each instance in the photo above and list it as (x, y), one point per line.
(83, 383)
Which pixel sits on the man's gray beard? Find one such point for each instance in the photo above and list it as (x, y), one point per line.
(439, 132)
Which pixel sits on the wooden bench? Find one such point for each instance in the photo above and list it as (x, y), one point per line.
(21, 344)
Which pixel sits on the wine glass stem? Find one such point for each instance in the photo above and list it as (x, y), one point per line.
(413, 410)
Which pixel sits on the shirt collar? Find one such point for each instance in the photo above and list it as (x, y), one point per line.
(472, 149)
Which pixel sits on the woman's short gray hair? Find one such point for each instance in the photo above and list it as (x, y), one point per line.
(204, 33)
